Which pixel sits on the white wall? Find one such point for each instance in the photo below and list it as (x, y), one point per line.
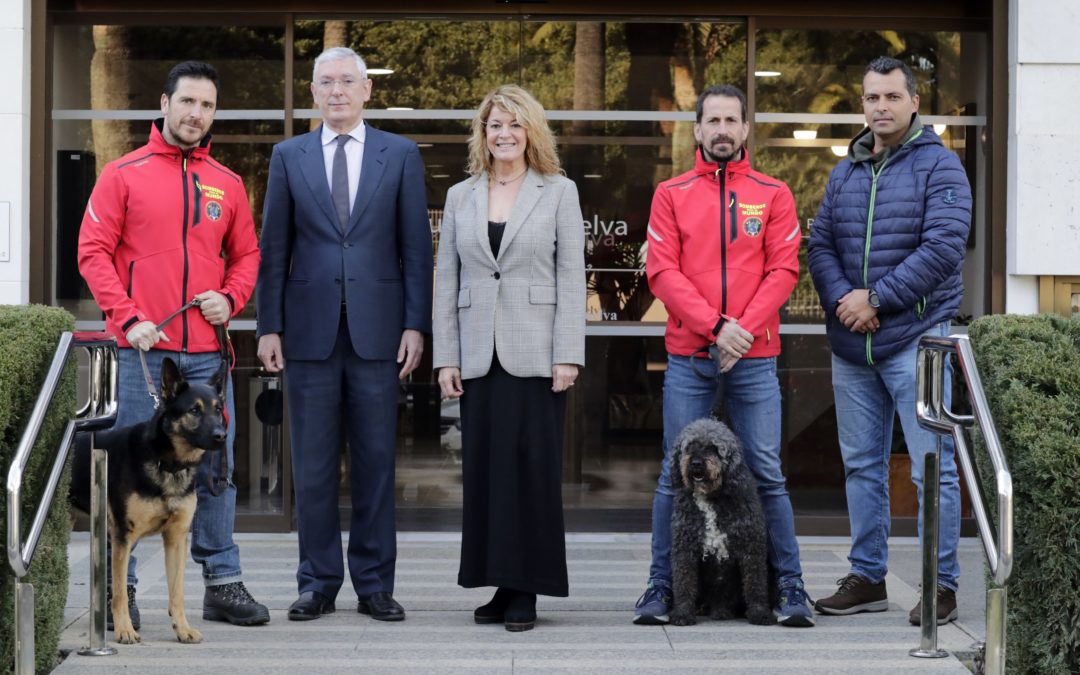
(15, 141)
(1043, 226)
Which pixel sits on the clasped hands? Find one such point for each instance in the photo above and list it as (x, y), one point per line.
(855, 312)
(733, 341)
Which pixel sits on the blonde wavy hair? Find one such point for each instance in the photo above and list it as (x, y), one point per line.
(540, 153)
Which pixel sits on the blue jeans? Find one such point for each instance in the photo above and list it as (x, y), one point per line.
(212, 543)
(867, 399)
(752, 406)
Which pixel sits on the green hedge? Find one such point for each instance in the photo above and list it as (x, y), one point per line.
(1030, 367)
(28, 338)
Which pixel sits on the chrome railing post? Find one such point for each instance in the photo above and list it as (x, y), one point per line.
(931, 515)
(99, 527)
(99, 412)
(24, 628)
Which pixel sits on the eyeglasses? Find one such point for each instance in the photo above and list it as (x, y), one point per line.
(326, 84)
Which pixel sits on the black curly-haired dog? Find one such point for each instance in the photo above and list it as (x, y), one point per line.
(718, 548)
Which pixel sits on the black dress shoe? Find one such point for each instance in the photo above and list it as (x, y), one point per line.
(310, 605)
(493, 611)
(381, 606)
(521, 612)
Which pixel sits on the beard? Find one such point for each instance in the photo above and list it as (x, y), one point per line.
(181, 136)
(719, 156)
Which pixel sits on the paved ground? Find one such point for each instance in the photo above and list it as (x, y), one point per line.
(588, 632)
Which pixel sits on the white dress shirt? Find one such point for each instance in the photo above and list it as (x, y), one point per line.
(354, 155)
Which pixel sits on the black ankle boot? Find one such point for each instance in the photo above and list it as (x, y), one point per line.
(521, 612)
(493, 611)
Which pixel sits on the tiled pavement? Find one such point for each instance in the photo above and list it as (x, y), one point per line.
(588, 632)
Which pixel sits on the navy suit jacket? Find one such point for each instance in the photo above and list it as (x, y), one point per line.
(381, 262)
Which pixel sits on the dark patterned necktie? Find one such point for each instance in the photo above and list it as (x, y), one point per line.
(339, 182)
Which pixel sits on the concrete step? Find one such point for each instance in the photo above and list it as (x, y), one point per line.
(590, 631)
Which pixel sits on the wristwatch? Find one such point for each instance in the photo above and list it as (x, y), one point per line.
(874, 301)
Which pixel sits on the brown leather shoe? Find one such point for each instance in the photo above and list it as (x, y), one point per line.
(856, 594)
(382, 607)
(946, 608)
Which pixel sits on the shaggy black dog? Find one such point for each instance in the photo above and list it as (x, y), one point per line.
(718, 549)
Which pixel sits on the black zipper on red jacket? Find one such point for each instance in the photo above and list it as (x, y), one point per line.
(196, 215)
(721, 173)
(184, 297)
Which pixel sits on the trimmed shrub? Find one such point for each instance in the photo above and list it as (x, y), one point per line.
(1030, 367)
(29, 335)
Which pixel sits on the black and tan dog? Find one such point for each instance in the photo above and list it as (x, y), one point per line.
(718, 547)
(152, 467)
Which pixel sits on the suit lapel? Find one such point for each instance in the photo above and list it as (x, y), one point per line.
(372, 168)
(527, 196)
(313, 166)
(480, 224)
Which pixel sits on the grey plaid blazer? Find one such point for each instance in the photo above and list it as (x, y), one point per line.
(529, 302)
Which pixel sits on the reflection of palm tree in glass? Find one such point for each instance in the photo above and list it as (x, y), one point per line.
(110, 89)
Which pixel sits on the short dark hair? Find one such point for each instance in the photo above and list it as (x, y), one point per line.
(729, 90)
(883, 65)
(194, 69)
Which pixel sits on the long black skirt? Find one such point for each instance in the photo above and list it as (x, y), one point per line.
(512, 534)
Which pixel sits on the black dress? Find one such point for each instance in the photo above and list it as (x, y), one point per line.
(512, 533)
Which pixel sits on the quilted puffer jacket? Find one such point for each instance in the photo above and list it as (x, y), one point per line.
(900, 228)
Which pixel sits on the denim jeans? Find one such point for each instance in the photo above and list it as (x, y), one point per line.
(867, 400)
(752, 408)
(212, 543)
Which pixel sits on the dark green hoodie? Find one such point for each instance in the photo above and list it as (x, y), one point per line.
(861, 148)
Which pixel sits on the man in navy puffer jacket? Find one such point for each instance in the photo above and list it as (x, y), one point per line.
(885, 254)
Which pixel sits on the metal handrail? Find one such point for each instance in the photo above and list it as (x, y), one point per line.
(99, 412)
(935, 415)
(999, 548)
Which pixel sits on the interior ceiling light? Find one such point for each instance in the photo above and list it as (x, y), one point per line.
(940, 128)
(767, 73)
(396, 107)
(379, 71)
(805, 134)
(839, 150)
(592, 175)
(440, 175)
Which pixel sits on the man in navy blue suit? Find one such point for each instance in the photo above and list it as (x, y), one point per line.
(344, 291)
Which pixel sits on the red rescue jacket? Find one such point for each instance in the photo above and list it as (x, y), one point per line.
(723, 242)
(161, 226)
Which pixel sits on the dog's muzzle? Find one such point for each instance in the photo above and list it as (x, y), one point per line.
(697, 470)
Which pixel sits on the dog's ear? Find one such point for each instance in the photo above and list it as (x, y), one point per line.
(219, 379)
(171, 378)
(675, 469)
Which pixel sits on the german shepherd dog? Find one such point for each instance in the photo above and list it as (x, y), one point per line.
(152, 468)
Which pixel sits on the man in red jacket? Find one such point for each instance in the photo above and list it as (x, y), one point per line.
(166, 224)
(723, 245)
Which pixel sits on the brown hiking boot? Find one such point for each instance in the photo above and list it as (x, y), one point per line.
(856, 594)
(946, 608)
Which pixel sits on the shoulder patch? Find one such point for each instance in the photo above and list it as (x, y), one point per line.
(949, 197)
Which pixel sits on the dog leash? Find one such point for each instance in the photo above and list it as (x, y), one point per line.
(711, 352)
(195, 302)
(219, 482)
